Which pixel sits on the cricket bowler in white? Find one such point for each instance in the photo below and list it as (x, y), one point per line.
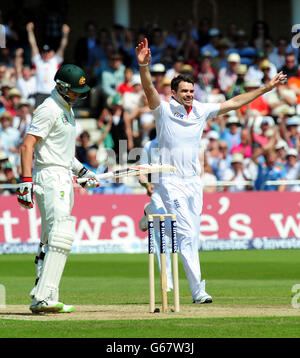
(179, 126)
(150, 155)
(51, 138)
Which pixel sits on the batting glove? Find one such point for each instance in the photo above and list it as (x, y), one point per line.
(91, 181)
(25, 193)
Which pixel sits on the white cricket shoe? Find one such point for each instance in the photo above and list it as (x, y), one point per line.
(203, 296)
(45, 306)
(66, 309)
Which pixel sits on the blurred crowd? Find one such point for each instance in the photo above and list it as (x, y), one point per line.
(254, 145)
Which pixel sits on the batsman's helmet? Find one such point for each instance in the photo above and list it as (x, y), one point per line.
(71, 77)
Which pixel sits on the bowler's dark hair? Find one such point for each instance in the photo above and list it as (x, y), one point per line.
(181, 78)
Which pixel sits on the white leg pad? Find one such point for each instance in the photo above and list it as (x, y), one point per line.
(59, 246)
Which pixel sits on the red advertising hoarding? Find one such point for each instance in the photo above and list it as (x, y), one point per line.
(111, 221)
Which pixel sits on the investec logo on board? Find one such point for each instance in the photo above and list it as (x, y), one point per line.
(151, 238)
(162, 238)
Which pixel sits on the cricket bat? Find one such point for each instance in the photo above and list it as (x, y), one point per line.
(132, 171)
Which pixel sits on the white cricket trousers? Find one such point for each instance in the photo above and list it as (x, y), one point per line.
(53, 190)
(157, 207)
(184, 198)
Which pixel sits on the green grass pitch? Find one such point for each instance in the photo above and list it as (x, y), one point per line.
(235, 279)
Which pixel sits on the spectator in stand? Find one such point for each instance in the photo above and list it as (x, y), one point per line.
(121, 126)
(232, 133)
(158, 72)
(255, 72)
(113, 76)
(231, 35)
(211, 47)
(157, 45)
(85, 45)
(281, 150)
(10, 178)
(261, 139)
(238, 86)
(260, 32)
(23, 119)
(207, 78)
(289, 131)
(174, 39)
(6, 86)
(83, 147)
(236, 173)
(9, 138)
(178, 62)
(127, 48)
(98, 53)
(220, 61)
(228, 75)
(6, 75)
(46, 62)
(245, 147)
(290, 67)
(277, 57)
(282, 100)
(292, 168)
(268, 169)
(26, 81)
(192, 56)
(242, 48)
(259, 105)
(223, 162)
(212, 150)
(208, 178)
(14, 98)
(132, 100)
(126, 86)
(166, 91)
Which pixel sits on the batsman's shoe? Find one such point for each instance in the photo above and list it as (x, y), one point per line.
(203, 296)
(66, 309)
(46, 306)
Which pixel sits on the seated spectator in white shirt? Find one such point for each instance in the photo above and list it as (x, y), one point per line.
(237, 173)
(228, 75)
(292, 169)
(255, 73)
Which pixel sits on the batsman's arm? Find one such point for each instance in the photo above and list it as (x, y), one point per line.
(245, 98)
(26, 150)
(143, 54)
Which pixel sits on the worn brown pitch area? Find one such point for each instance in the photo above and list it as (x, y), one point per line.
(137, 312)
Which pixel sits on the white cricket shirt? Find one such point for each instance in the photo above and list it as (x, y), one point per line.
(179, 134)
(54, 122)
